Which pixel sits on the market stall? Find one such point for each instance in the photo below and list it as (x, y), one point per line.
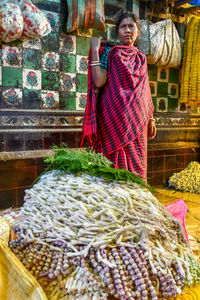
(81, 233)
(85, 230)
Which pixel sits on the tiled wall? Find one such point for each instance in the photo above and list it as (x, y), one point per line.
(164, 84)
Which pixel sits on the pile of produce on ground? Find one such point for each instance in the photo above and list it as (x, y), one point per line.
(89, 237)
(188, 180)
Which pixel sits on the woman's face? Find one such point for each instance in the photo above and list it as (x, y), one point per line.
(127, 32)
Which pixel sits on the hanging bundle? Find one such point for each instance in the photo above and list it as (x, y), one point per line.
(36, 25)
(161, 43)
(11, 22)
(22, 19)
(85, 14)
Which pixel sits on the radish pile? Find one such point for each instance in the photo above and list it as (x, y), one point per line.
(83, 237)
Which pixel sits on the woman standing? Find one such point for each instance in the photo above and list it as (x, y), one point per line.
(120, 119)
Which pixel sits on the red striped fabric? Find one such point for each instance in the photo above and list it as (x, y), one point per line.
(132, 157)
(124, 106)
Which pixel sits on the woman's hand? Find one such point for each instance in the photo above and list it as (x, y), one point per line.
(95, 43)
(151, 129)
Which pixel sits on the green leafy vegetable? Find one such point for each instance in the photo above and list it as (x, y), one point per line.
(95, 164)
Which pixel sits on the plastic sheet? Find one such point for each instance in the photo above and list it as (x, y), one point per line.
(161, 43)
(36, 24)
(178, 209)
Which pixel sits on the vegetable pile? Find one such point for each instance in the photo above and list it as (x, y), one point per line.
(188, 180)
(85, 237)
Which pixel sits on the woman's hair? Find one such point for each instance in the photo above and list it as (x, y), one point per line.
(127, 15)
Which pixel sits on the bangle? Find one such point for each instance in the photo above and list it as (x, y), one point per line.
(153, 119)
(95, 61)
(97, 64)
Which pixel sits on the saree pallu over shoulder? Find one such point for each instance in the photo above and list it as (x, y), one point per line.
(124, 104)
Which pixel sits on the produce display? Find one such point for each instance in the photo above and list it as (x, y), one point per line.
(89, 237)
(190, 76)
(188, 180)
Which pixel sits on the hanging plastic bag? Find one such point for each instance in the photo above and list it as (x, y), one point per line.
(11, 22)
(161, 43)
(36, 25)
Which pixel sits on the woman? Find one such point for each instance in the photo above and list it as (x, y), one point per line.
(119, 121)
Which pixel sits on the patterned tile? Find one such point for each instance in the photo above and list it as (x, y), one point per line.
(12, 98)
(50, 42)
(50, 61)
(163, 75)
(162, 104)
(153, 87)
(67, 100)
(174, 75)
(53, 18)
(172, 104)
(11, 56)
(173, 90)
(12, 77)
(111, 34)
(67, 63)
(81, 83)
(81, 99)
(67, 82)
(0, 56)
(162, 89)
(182, 108)
(50, 80)
(68, 44)
(50, 99)
(30, 120)
(152, 70)
(32, 59)
(81, 64)
(31, 79)
(33, 44)
(31, 99)
(154, 99)
(83, 45)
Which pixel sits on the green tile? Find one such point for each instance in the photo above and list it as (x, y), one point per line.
(68, 100)
(51, 42)
(172, 104)
(82, 45)
(162, 89)
(97, 33)
(152, 70)
(12, 77)
(67, 63)
(31, 99)
(174, 75)
(81, 83)
(0, 57)
(32, 59)
(154, 99)
(50, 80)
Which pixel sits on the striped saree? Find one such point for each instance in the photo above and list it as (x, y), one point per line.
(117, 125)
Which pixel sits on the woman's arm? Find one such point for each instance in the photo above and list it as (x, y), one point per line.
(99, 75)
